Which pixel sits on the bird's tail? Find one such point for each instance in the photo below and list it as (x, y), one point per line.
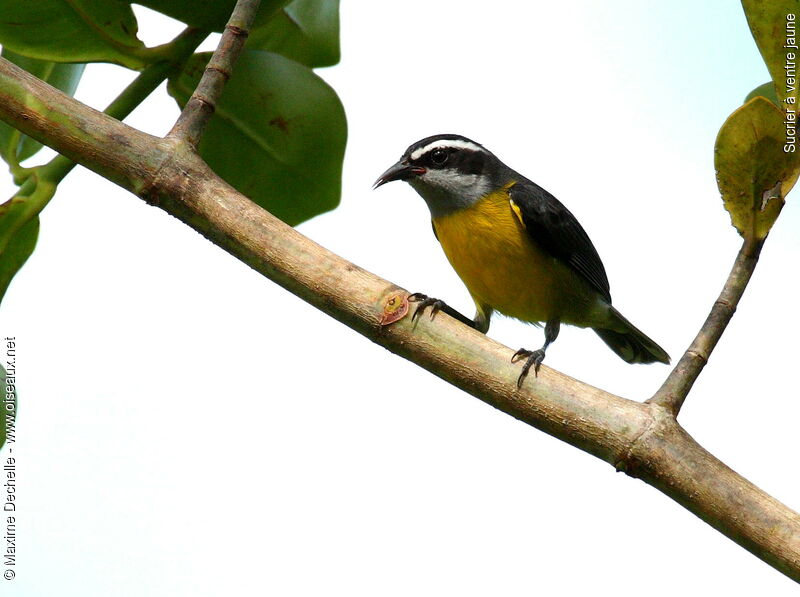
(631, 344)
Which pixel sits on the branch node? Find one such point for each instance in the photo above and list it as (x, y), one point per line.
(725, 305)
(222, 71)
(626, 463)
(205, 103)
(237, 31)
(698, 355)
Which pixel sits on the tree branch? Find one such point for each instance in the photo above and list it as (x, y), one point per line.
(644, 440)
(37, 185)
(672, 394)
(175, 53)
(201, 106)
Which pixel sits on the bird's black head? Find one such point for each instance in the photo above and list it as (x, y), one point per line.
(439, 152)
(450, 172)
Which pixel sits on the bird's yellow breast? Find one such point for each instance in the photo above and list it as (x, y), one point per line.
(504, 269)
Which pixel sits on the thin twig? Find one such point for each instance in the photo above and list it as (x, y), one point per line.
(672, 394)
(201, 106)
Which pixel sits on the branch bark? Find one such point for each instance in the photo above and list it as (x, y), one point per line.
(644, 440)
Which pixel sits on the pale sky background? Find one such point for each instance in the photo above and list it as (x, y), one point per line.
(189, 428)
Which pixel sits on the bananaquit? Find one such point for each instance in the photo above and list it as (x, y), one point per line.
(518, 250)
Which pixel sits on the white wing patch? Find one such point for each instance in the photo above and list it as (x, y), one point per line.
(458, 143)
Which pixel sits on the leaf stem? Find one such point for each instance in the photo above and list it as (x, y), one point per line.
(203, 102)
(11, 155)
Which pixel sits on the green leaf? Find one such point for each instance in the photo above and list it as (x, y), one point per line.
(18, 236)
(9, 393)
(771, 26)
(307, 31)
(14, 146)
(754, 172)
(277, 135)
(72, 31)
(19, 226)
(209, 14)
(766, 90)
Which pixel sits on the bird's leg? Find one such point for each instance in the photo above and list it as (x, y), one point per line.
(534, 358)
(480, 323)
(483, 317)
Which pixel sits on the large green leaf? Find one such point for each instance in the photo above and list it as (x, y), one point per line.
(754, 173)
(14, 146)
(72, 31)
(770, 26)
(8, 379)
(277, 135)
(209, 14)
(306, 31)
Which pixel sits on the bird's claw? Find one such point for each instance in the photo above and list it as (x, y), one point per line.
(425, 301)
(533, 358)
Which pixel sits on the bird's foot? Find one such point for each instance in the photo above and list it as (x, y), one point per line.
(533, 358)
(426, 301)
(437, 305)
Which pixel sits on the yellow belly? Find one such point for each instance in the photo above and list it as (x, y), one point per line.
(503, 269)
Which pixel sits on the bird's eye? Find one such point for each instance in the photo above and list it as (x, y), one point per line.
(439, 156)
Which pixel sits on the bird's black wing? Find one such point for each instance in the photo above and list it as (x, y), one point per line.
(555, 229)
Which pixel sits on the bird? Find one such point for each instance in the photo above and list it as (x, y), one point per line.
(518, 250)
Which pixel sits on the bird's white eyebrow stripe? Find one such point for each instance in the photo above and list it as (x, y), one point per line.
(459, 143)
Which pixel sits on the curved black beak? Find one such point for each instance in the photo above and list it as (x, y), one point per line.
(399, 171)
